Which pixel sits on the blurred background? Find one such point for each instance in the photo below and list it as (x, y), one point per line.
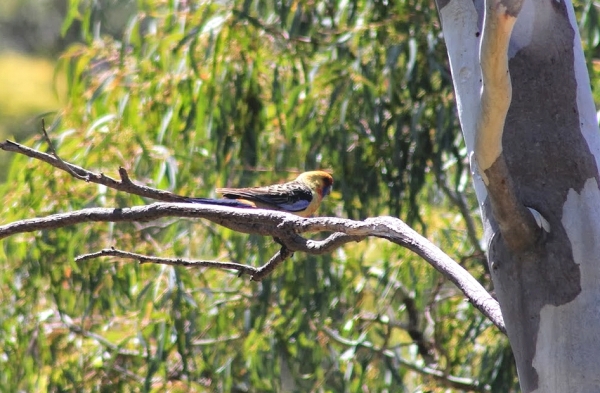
(189, 96)
(32, 38)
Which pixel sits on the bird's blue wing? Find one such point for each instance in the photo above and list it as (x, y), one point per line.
(296, 206)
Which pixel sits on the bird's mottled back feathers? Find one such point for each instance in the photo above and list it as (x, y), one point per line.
(292, 196)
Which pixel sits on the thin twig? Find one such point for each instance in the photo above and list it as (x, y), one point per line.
(266, 269)
(256, 274)
(454, 382)
(113, 252)
(60, 163)
(125, 184)
(458, 199)
(200, 342)
(101, 340)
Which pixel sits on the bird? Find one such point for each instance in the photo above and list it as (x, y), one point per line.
(301, 196)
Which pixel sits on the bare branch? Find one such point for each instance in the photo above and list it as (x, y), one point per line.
(286, 228)
(125, 184)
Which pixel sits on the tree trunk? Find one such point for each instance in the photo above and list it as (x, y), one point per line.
(529, 122)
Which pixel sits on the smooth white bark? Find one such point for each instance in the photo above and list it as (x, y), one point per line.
(462, 37)
(567, 354)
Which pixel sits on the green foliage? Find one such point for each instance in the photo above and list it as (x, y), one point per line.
(589, 27)
(199, 95)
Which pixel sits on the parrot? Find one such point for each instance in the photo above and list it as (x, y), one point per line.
(301, 196)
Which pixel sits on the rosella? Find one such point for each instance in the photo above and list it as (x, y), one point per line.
(301, 196)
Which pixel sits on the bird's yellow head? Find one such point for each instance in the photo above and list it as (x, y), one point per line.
(319, 181)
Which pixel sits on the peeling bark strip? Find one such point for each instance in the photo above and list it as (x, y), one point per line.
(496, 92)
(515, 221)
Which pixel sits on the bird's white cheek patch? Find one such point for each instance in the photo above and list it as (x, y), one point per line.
(568, 343)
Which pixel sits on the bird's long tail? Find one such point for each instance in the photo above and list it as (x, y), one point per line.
(221, 202)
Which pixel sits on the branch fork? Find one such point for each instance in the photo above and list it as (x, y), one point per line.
(287, 229)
